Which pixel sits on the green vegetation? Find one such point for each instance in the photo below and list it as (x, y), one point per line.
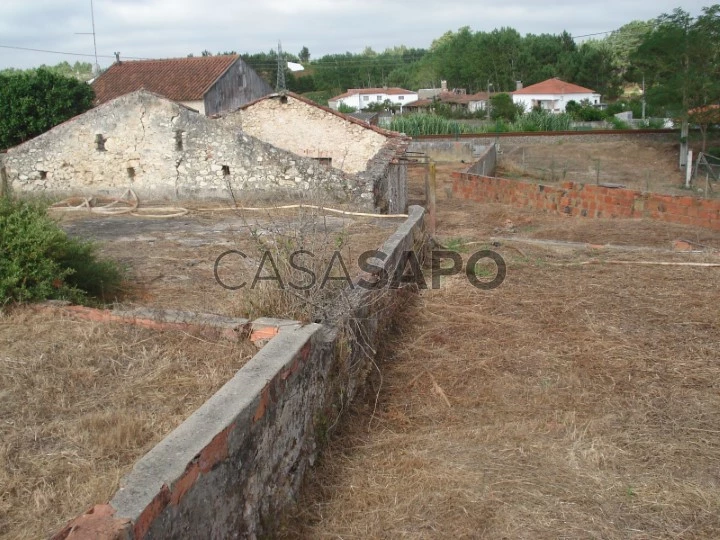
(503, 108)
(414, 125)
(38, 261)
(31, 102)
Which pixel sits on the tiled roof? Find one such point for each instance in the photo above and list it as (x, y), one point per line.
(178, 79)
(362, 91)
(449, 97)
(554, 86)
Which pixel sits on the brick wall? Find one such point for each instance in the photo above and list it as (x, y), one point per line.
(587, 200)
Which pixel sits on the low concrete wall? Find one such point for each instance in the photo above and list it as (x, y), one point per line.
(239, 460)
(587, 200)
(487, 162)
(448, 150)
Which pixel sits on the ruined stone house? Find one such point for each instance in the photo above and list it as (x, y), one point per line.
(208, 84)
(164, 150)
(296, 124)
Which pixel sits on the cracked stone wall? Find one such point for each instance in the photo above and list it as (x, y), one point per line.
(309, 130)
(163, 150)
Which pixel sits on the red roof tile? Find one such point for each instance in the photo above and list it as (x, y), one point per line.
(178, 79)
(362, 91)
(554, 86)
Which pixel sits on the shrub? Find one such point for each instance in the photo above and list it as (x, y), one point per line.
(39, 261)
(617, 123)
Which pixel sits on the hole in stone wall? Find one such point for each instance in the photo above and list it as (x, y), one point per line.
(283, 99)
(100, 142)
(178, 139)
(43, 175)
(325, 162)
(131, 172)
(226, 170)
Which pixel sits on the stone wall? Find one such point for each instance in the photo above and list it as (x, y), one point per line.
(162, 150)
(587, 200)
(309, 130)
(232, 468)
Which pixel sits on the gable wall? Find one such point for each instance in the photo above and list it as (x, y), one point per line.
(141, 152)
(309, 131)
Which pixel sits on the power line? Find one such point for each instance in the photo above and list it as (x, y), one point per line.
(67, 53)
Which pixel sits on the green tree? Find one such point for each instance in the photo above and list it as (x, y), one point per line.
(33, 102)
(680, 61)
(304, 55)
(502, 107)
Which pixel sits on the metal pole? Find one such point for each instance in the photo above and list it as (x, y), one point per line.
(92, 17)
(431, 199)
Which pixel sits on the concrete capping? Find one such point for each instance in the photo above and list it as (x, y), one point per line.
(232, 467)
(238, 401)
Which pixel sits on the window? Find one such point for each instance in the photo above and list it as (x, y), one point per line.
(400, 98)
(324, 162)
(226, 170)
(379, 98)
(100, 142)
(366, 98)
(178, 139)
(131, 172)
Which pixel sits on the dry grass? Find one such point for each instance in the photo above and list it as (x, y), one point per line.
(80, 402)
(642, 165)
(572, 402)
(171, 262)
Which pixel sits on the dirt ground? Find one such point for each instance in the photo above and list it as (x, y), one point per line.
(577, 400)
(644, 165)
(171, 262)
(81, 402)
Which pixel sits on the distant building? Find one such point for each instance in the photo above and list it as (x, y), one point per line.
(361, 98)
(209, 84)
(553, 95)
(454, 99)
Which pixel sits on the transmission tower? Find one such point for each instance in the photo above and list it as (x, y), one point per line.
(280, 86)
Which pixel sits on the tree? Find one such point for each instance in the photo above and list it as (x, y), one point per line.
(304, 55)
(680, 61)
(705, 117)
(502, 106)
(33, 102)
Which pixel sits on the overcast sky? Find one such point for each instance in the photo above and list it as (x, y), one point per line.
(174, 28)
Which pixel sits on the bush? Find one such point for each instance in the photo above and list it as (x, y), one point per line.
(38, 261)
(542, 121)
(617, 123)
(502, 107)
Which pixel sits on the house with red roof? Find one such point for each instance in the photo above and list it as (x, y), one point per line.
(209, 84)
(553, 95)
(361, 98)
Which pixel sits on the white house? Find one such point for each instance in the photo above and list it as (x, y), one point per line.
(360, 98)
(553, 95)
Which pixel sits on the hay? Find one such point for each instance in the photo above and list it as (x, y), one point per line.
(80, 402)
(583, 404)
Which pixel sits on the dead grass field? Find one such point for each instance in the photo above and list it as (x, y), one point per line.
(171, 262)
(80, 402)
(575, 401)
(643, 165)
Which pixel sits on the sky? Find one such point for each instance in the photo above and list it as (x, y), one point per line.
(176, 28)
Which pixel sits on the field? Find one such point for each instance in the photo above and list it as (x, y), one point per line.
(577, 400)
(171, 262)
(81, 402)
(644, 165)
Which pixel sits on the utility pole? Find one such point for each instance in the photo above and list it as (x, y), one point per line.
(643, 99)
(281, 85)
(96, 67)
